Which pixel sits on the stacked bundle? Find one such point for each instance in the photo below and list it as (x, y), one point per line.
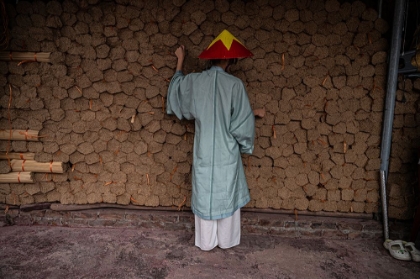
(19, 166)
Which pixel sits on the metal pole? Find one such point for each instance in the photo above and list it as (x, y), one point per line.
(384, 204)
(379, 8)
(394, 56)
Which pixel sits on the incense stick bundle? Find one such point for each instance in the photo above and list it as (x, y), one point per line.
(29, 135)
(21, 156)
(30, 165)
(16, 177)
(25, 56)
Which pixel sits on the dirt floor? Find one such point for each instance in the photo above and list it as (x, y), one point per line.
(60, 252)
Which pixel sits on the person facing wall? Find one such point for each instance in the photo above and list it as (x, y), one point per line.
(224, 128)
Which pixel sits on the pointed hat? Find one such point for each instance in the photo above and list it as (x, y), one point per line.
(225, 46)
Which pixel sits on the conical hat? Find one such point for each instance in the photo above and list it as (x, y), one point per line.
(225, 46)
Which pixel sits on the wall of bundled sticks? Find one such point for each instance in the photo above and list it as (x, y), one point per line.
(319, 70)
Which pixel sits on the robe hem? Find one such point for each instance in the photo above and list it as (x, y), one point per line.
(223, 215)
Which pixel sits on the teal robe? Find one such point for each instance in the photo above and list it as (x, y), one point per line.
(224, 128)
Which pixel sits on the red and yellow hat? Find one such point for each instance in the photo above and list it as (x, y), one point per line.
(225, 46)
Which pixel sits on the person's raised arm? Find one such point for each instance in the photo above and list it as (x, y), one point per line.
(180, 54)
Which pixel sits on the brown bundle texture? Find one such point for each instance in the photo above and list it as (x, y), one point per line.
(25, 56)
(16, 177)
(30, 165)
(22, 156)
(29, 135)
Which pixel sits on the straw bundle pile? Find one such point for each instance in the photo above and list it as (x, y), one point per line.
(16, 177)
(29, 135)
(21, 156)
(25, 56)
(30, 165)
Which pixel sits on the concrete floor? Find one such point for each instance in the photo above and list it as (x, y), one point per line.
(60, 252)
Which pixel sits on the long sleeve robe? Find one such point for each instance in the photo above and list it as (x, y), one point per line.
(224, 128)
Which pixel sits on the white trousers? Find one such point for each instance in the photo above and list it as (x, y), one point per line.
(224, 233)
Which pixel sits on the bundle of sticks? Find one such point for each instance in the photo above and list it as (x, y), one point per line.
(14, 155)
(25, 56)
(33, 166)
(29, 135)
(17, 177)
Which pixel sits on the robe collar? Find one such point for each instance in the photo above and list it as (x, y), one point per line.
(217, 68)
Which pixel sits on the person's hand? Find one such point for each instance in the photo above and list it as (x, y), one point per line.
(180, 52)
(259, 112)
